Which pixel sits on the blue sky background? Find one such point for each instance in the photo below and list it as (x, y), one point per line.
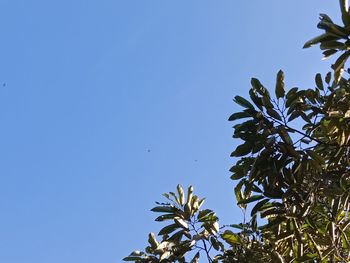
(105, 105)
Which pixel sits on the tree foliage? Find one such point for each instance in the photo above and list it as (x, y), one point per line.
(292, 169)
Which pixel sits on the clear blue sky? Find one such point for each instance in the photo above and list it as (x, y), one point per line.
(105, 105)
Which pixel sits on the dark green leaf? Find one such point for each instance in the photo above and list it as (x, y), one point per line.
(257, 207)
(242, 150)
(284, 135)
(328, 53)
(176, 238)
(325, 18)
(257, 100)
(273, 114)
(267, 102)
(203, 214)
(238, 192)
(280, 85)
(214, 243)
(131, 258)
(318, 39)
(319, 82)
(291, 92)
(328, 77)
(168, 229)
(338, 66)
(237, 176)
(332, 28)
(164, 209)
(243, 102)
(250, 199)
(165, 217)
(257, 86)
(344, 7)
(239, 115)
(332, 45)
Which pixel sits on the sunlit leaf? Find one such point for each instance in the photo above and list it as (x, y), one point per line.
(231, 238)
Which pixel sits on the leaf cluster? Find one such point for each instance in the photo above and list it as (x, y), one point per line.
(292, 175)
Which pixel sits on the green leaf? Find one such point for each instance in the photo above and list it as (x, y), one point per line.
(328, 77)
(181, 194)
(344, 8)
(267, 102)
(176, 238)
(168, 229)
(164, 209)
(332, 28)
(250, 199)
(215, 243)
(243, 102)
(165, 217)
(257, 86)
(257, 100)
(152, 240)
(338, 66)
(328, 53)
(239, 115)
(175, 197)
(326, 18)
(318, 39)
(131, 258)
(237, 176)
(257, 207)
(134, 256)
(332, 45)
(182, 223)
(319, 82)
(203, 214)
(273, 193)
(273, 114)
(280, 92)
(212, 227)
(242, 150)
(238, 193)
(284, 135)
(231, 238)
(189, 195)
(291, 92)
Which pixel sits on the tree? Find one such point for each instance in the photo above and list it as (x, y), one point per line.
(293, 169)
